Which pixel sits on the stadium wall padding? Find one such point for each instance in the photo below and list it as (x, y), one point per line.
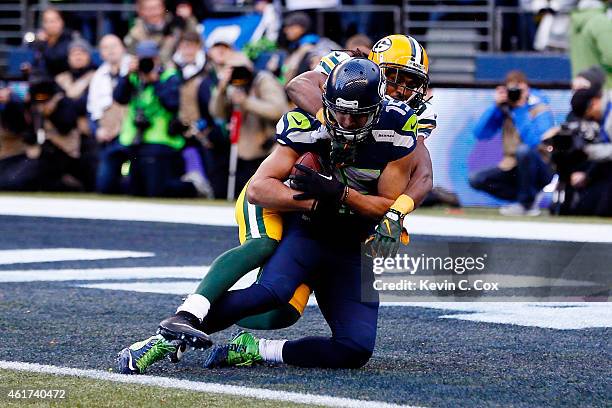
(456, 153)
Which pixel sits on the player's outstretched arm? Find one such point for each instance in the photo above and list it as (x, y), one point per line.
(392, 183)
(421, 173)
(305, 91)
(266, 188)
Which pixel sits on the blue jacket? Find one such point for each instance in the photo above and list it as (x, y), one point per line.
(530, 126)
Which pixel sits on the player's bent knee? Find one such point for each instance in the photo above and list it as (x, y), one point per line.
(352, 355)
(476, 181)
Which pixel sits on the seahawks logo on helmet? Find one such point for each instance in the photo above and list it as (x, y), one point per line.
(382, 45)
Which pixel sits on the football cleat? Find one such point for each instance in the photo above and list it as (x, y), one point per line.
(241, 351)
(182, 326)
(178, 354)
(141, 355)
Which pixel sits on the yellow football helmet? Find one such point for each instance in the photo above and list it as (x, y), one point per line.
(405, 64)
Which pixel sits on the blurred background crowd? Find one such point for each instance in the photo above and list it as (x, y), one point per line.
(148, 98)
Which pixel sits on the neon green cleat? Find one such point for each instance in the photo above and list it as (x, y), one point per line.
(141, 355)
(241, 351)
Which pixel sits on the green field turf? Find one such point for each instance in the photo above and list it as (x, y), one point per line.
(85, 392)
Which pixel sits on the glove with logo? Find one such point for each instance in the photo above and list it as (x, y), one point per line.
(388, 235)
(318, 186)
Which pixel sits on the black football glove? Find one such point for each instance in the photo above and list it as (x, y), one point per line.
(324, 189)
(388, 235)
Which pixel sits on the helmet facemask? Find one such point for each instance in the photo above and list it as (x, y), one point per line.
(365, 118)
(410, 84)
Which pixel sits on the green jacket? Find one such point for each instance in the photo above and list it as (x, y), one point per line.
(591, 41)
(155, 109)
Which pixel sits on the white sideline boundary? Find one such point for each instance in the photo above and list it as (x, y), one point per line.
(224, 216)
(213, 388)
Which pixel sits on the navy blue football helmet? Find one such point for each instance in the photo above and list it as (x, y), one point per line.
(355, 87)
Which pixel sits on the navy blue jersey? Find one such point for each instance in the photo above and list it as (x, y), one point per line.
(392, 137)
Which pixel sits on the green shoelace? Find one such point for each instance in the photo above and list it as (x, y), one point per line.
(157, 351)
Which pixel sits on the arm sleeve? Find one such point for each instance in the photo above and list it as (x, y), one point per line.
(271, 102)
(65, 115)
(534, 128)
(489, 123)
(123, 90)
(218, 105)
(168, 93)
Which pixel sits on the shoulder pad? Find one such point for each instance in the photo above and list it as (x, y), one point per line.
(329, 61)
(296, 126)
(427, 121)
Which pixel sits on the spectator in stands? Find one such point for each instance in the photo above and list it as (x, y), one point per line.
(193, 109)
(154, 23)
(359, 42)
(51, 45)
(305, 49)
(592, 183)
(262, 101)
(296, 28)
(17, 171)
(105, 114)
(554, 24)
(590, 37)
(219, 53)
(270, 24)
(523, 116)
(148, 138)
(75, 81)
(66, 156)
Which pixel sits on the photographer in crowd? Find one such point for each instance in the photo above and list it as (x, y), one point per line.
(148, 137)
(582, 152)
(261, 101)
(155, 24)
(66, 157)
(523, 116)
(75, 81)
(18, 172)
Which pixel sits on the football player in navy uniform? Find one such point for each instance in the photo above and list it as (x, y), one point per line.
(405, 65)
(368, 140)
(269, 227)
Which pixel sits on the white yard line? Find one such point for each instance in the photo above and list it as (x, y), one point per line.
(95, 274)
(214, 388)
(19, 256)
(117, 210)
(224, 216)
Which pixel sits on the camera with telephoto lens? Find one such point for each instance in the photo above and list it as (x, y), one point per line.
(146, 65)
(141, 121)
(567, 145)
(514, 94)
(241, 77)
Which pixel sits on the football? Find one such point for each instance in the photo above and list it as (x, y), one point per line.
(310, 160)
